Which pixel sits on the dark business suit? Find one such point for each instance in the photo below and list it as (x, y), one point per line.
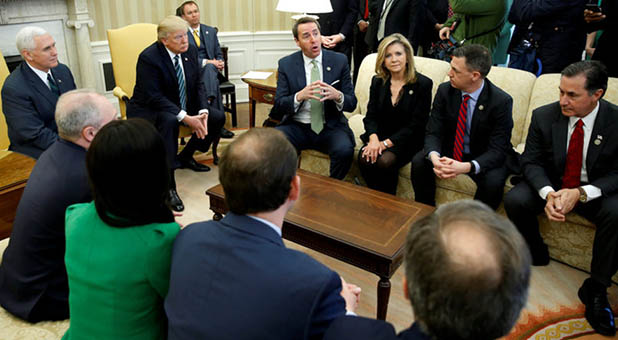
(404, 124)
(33, 279)
(490, 142)
(29, 107)
(436, 13)
(340, 20)
(336, 138)
(209, 49)
(235, 279)
(156, 98)
(360, 328)
(543, 163)
(405, 17)
(361, 50)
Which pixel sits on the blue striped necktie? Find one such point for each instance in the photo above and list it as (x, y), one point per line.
(181, 84)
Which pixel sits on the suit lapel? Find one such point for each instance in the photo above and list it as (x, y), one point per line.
(204, 37)
(301, 80)
(167, 64)
(62, 85)
(559, 136)
(479, 109)
(327, 68)
(601, 125)
(37, 84)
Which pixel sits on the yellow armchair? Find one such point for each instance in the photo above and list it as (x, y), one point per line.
(4, 134)
(125, 45)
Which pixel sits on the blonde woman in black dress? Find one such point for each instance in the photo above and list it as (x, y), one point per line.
(397, 112)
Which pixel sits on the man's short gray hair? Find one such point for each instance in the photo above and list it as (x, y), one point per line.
(25, 37)
(77, 109)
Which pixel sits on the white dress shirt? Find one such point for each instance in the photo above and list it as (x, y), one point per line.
(42, 75)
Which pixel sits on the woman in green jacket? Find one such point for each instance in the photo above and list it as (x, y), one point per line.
(118, 248)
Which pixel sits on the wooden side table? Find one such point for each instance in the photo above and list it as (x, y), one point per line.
(15, 169)
(261, 91)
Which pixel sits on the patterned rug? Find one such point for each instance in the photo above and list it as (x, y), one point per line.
(565, 323)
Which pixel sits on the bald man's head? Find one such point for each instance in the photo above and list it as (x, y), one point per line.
(256, 171)
(468, 272)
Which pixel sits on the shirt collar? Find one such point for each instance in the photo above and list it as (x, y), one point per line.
(268, 223)
(172, 54)
(474, 95)
(308, 60)
(588, 119)
(39, 73)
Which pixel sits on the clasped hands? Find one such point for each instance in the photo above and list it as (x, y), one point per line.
(373, 149)
(319, 88)
(219, 64)
(198, 124)
(445, 167)
(591, 16)
(330, 41)
(561, 202)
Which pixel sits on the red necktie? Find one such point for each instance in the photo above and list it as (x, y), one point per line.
(450, 11)
(461, 129)
(573, 167)
(366, 15)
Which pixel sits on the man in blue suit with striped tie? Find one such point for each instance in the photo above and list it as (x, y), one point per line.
(168, 91)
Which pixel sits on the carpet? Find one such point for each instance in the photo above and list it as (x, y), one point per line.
(564, 323)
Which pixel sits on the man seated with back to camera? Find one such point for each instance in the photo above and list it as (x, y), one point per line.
(313, 89)
(33, 278)
(240, 265)
(467, 278)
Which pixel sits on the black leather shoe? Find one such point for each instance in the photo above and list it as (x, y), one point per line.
(598, 312)
(193, 165)
(174, 201)
(540, 255)
(225, 133)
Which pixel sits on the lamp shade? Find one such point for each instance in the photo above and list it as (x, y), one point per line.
(304, 6)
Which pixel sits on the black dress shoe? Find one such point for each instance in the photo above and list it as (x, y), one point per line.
(174, 201)
(225, 133)
(193, 165)
(540, 255)
(598, 311)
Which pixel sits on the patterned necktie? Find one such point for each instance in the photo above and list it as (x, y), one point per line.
(317, 111)
(181, 84)
(197, 38)
(461, 129)
(52, 84)
(573, 167)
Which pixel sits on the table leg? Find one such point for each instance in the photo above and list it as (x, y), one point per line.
(217, 217)
(251, 113)
(384, 292)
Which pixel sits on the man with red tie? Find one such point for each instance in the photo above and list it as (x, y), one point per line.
(570, 164)
(469, 131)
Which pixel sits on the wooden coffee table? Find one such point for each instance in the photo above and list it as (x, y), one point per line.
(261, 91)
(351, 223)
(15, 169)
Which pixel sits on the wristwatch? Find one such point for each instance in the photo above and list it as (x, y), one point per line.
(385, 144)
(583, 197)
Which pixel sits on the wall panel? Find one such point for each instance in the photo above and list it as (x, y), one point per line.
(227, 15)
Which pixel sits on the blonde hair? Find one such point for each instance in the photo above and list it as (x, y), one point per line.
(382, 72)
(171, 24)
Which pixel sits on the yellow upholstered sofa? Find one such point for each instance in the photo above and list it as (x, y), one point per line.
(569, 242)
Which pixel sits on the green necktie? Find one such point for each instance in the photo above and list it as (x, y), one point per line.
(317, 107)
